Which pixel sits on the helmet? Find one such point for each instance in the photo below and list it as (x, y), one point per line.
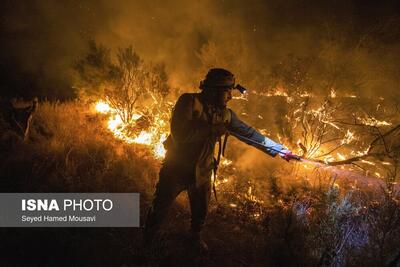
(218, 78)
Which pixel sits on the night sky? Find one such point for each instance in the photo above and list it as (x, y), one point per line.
(40, 40)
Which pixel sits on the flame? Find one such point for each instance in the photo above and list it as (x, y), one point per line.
(368, 162)
(153, 137)
(305, 94)
(278, 93)
(159, 149)
(114, 123)
(371, 121)
(348, 138)
(333, 125)
(329, 158)
(102, 107)
(251, 197)
(333, 93)
(144, 138)
(341, 156)
(351, 96)
(226, 162)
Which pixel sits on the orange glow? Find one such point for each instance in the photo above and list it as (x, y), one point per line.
(102, 107)
(153, 137)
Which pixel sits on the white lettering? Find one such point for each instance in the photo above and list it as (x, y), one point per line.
(23, 204)
(53, 205)
(79, 204)
(39, 204)
(110, 205)
(31, 204)
(88, 204)
(67, 203)
(91, 205)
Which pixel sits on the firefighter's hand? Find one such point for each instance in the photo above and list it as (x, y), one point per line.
(218, 129)
(287, 155)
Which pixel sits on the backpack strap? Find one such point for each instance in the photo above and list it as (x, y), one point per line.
(199, 107)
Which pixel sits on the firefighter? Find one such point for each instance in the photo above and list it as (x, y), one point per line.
(199, 121)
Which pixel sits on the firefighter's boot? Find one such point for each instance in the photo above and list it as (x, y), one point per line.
(197, 242)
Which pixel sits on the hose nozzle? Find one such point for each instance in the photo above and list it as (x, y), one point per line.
(289, 156)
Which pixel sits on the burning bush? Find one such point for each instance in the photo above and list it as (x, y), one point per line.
(130, 91)
(123, 80)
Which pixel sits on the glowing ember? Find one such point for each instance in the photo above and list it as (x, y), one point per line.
(329, 158)
(348, 137)
(341, 156)
(251, 197)
(220, 181)
(371, 121)
(333, 93)
(333, 125)
(351, 96)
(278, 93)
(368, 162)
(305, 94)
(226, 162)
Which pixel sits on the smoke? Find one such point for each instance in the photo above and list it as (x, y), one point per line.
(41, 39)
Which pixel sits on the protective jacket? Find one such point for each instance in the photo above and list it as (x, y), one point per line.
(191, 143)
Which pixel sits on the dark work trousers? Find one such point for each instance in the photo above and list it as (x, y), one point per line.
(172, 181)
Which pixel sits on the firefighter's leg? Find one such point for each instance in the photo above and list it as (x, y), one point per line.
(199, 198)
(168, 188)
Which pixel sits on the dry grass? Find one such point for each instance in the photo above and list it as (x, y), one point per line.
(295, 224)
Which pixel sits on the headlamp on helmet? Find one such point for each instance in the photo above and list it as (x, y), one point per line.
(218, 78)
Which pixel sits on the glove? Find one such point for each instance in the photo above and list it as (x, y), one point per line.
(288, 155)
(218, 129)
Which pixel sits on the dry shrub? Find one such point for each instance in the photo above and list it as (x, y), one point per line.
(70, 150)
(288, 222)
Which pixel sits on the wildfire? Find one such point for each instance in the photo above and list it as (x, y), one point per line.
(278, 92)
(305, 94)
(251, 197)
(226, 162)
(368, 162)
(333, 93)
(351, 96)
(348, 138)
(102, 107)
(153, 136)
(371, 121)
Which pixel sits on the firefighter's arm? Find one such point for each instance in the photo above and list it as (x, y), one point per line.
(185, 127)
(254, 138)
